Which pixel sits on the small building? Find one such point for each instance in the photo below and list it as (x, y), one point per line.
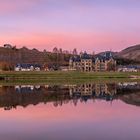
(27, 67)
(8, 46)
(128, 69)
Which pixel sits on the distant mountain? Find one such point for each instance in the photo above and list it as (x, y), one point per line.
(132, 53)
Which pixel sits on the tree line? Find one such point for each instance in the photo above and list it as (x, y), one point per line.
(11, 56)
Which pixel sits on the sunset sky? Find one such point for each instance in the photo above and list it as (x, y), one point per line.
(92, 25)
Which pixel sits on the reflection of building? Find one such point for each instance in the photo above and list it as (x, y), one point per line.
(26, 87)
(24, 95)
(85, 89)
(129, 85)
(103, 91)
(89, 63)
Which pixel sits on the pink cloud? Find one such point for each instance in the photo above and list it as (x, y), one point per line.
(82, 41)
(10, 7)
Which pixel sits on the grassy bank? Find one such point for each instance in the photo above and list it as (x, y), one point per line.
(63, 77)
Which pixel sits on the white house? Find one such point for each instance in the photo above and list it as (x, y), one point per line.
(8, 46)
(127, 69)
(27, 67)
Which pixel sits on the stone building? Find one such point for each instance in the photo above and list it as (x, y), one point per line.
(88, 63)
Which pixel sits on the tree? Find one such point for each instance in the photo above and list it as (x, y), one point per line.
(75, 51)
(55, 50)
(5, 66)
(111, 66)
(44, 51)
(60, 50)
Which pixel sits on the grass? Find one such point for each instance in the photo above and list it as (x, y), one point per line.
(63, 77)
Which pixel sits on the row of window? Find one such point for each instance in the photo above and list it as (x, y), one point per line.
(101, 65)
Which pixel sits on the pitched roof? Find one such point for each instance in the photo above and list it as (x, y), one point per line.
(85, 56)
(103, 57)
(76, 58)
(106, 56)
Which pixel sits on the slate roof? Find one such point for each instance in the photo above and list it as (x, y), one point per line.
(106, 56)
(86, 56)
(76, 58)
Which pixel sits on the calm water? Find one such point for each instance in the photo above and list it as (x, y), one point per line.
(70, 112)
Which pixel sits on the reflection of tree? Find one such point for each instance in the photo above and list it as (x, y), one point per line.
(11, 97)
(133, 98)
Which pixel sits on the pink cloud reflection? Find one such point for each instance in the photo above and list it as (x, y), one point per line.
(89, 112)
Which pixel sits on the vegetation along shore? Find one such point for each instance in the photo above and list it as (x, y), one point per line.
(66, 77)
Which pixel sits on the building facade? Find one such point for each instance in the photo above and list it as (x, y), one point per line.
(88, 63)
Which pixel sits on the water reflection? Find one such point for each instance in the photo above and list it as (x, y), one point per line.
(93, 111)
(94, 91)
(24, 95)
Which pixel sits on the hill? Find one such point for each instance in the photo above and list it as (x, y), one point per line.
(10, 55)
(132, 53)
(14, 56)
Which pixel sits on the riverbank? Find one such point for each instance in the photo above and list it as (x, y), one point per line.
(65, 77)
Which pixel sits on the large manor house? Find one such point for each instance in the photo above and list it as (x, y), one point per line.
(88, 63)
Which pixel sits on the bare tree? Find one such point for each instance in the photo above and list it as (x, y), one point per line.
(74, 51)
(55, 50)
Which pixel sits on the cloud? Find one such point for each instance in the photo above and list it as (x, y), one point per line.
(84, 24)
(81, 40)
(15, 6)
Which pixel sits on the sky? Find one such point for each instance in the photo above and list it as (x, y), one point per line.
(91, 25)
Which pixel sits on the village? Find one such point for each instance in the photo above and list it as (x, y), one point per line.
(84, 63)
